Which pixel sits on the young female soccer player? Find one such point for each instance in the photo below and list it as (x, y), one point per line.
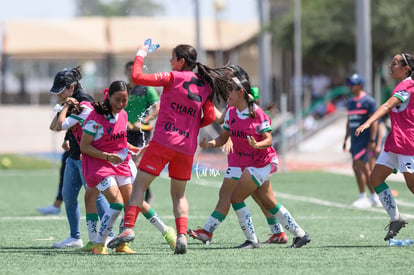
(108, 167)
(398, 149)
(185, 106)
(250, 132)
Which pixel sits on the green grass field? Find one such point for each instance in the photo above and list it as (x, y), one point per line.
(344, 240)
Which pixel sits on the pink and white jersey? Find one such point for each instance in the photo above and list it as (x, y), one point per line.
(401, 138)
(110, 135)
(240, 125)
(75, 122)
(178, 121)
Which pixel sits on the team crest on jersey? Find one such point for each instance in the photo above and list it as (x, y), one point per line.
(109, 130)
(400, 108)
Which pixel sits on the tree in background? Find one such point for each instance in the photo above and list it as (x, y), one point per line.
(110, 8)
(329, 30)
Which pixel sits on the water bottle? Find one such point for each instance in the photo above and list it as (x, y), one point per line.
(151, 47)
(123, 155)
(393, 242)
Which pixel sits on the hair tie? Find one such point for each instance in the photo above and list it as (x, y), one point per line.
(254, 92)
(106, 91)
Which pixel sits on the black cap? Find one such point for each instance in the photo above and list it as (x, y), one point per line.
(62, 80)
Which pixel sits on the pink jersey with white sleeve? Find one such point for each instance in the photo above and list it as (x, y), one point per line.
(178, 121)
(240, 125)
(401, 138)
(75, 122)
(110, 135)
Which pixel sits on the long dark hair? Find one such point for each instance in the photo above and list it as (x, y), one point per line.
(104, 108)
(240, 80)
(213, 76)
(72, 76)
(408, 60)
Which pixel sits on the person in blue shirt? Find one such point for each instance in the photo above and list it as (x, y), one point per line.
(360, 107)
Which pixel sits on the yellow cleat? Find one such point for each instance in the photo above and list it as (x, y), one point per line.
(88, 247)
(170, 237)
(125, 248)
(99, 248)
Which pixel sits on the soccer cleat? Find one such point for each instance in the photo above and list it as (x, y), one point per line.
(394, 227)
(99, 248)
(125, 248)
(278, 238)
(200, 234)
(298, 242)
(88, 247)
(248, 245)
(181, 245)
(49, 210)
(170, 237)
(69, 242)
(126, 236)
(362, 203)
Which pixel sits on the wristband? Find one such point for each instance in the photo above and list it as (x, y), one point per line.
(142, 53)
(372, 140)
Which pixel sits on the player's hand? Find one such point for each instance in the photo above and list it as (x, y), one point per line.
(204, 144)
(361, 128)
(228, 147)
(114, 158)
(252, 141)
(65, 145)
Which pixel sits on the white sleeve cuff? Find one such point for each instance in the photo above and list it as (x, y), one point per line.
(142, 53)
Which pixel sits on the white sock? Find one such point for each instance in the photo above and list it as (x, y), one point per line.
(374, 196)
(107, 223)
(362, 196)
(121, 225)
(284, 217)
(274, 225)
(389, 204)
(276, 228)
(155, 220)
(214, 221)
(92, 226)
(246, 224)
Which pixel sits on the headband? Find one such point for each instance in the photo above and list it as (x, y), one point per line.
(405, 60)
(254, 92)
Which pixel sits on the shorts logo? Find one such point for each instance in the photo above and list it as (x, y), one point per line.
(151, 168)
(104, 183)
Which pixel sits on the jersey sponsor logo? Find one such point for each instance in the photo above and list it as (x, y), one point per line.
(183, 109)
(170, 127)
(239, 134)
(116, 136)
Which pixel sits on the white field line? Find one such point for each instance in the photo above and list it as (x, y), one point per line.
(216, 184)
(318, 201)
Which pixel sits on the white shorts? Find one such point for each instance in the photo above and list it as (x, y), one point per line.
(118, 180)
(401, 162)
(260, 175)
